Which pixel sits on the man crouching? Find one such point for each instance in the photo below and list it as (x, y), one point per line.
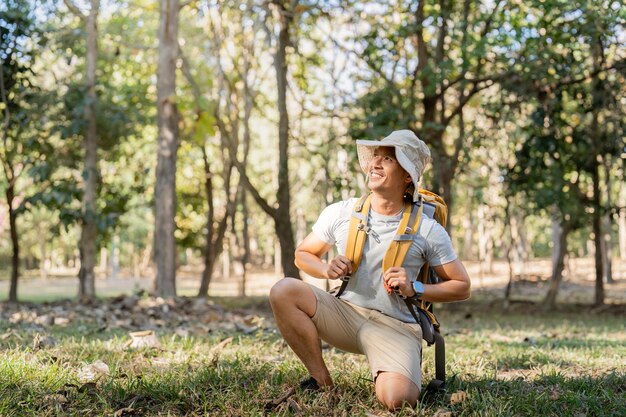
(367, 319)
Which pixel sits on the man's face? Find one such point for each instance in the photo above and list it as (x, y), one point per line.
(385, 173)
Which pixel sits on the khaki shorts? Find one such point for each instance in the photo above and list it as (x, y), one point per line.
(389, 344)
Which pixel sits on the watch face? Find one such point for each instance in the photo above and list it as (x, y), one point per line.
(418, 287)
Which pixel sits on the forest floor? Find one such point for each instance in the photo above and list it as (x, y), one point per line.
(530, 283)
(137, 355)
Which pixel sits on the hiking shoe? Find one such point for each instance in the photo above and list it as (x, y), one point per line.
(309, 384)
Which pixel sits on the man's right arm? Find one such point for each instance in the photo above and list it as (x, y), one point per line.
(309, 259)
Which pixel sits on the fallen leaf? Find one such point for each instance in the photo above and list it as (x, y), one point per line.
(124, 411)
(458, 397)
(294, 408)
(57, 398)
(442, 413)
(41, 342)
(143, 339)
(93, 372)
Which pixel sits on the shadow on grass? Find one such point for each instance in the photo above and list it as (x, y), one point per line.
(546, 395)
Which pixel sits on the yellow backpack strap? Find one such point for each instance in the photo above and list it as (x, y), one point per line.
(358, 231)
(407, 230)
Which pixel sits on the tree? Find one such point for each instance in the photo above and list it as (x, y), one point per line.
(86, 276)
(572, 87)
(425, 62)
(24, 147)
(165, 190)
(285, 16)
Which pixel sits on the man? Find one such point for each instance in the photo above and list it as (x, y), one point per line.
(367, 319)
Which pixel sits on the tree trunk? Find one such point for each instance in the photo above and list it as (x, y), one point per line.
(87, 288)
(597, 235)
(165, 189)
(560, 231)
(245, 259)
(607, 241)
(215, 232)
(15, 256)
(282, 220)
(597, 147)
(621, 222)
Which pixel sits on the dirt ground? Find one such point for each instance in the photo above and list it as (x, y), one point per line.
(530, 284)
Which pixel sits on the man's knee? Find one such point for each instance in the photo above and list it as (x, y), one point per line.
(396, 391)
(284, 290)
(291, 292)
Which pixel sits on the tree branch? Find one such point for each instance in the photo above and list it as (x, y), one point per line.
(75, 10)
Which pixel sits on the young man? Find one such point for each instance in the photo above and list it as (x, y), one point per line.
(366, 319)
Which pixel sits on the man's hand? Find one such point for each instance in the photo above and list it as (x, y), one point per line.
(338, 267)
(397, 279)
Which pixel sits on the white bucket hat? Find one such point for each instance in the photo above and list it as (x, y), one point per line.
(411, 152)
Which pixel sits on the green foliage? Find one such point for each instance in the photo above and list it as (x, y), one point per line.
(563, 92)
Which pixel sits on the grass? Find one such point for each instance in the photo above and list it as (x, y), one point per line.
(510, 363)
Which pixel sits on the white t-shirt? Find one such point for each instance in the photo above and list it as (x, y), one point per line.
(366, 288)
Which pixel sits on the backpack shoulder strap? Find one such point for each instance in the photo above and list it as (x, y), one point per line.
(357, 233)
(407, 230)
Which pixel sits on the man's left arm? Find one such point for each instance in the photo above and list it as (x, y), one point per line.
(455, 286)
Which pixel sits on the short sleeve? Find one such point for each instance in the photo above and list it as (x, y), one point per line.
(326, 224)
(439, 250)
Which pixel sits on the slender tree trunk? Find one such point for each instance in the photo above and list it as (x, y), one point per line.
(594, 131)
(607, 241)
(165, 190)
(560, 231)
(283, 227)
(245, 232)
(15, 243)
(597, 235)
(621, 222)
(509, 250)
(87, 289)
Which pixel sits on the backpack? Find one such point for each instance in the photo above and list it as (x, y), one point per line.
(433, 206)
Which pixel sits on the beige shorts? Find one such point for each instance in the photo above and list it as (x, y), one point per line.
(390, 345)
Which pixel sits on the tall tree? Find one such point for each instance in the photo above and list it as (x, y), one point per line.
(86, 275)
(24, 146)
(284, 14)
(165, 190)
(425, 61)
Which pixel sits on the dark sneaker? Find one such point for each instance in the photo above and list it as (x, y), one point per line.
(309, 384)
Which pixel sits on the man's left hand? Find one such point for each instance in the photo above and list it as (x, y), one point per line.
(397, 279)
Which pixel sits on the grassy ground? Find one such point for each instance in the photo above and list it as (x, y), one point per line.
(516, 362)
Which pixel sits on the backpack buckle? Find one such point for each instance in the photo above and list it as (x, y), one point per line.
(345, 278)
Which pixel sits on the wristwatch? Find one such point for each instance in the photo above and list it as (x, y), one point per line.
(418, 287)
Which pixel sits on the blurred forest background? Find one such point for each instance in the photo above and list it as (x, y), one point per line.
(202, 138)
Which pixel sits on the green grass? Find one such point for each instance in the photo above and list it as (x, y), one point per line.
(510, 363)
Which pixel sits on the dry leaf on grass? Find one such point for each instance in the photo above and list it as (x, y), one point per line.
(41, 342)
(442, 413)
(56, 398)
(143, 339)
(458, 397)
(294, 407)
(124, 412)
(93, 372)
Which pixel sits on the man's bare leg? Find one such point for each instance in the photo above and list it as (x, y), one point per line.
(294, 303)
(395, 390)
